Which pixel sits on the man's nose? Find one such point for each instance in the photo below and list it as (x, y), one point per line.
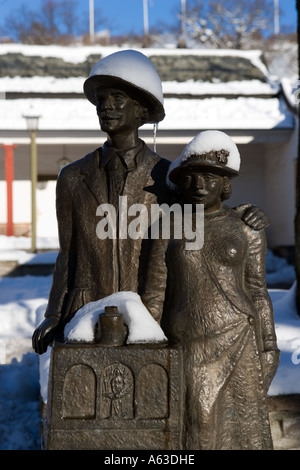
(105, 103)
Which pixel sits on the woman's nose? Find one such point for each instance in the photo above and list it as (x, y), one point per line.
(198, 181)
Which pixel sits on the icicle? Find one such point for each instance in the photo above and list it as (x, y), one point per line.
(155, 126)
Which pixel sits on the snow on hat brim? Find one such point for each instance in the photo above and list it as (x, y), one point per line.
(204, 152)
(199, 165)
(156, 112)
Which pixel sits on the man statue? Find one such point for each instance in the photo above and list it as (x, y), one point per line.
(127, 93)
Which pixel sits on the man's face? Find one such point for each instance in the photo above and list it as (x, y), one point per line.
(117, 111)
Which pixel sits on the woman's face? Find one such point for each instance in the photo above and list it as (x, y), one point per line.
(200, 187)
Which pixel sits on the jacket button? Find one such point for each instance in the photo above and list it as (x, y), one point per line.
(251, 320)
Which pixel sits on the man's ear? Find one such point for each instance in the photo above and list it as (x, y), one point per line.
(142, 113)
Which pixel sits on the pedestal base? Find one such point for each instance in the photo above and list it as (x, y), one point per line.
(113, 398)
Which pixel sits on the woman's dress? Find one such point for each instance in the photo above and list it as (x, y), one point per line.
(217, 307)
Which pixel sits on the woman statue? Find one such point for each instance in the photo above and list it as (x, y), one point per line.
(216, 306)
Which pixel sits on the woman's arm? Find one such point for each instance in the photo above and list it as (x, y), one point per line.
(255, 280)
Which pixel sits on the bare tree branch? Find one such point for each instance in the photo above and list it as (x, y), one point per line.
(228, 23)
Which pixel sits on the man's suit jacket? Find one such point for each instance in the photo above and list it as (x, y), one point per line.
(88, 268)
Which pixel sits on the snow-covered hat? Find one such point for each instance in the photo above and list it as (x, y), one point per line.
(132, 71)
(210, 150)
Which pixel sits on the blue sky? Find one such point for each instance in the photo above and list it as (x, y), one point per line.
(126, 16)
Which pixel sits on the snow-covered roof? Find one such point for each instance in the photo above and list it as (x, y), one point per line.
(26, 68)
(208, 113)
(190, 104)
(80, 53)
(190, 87)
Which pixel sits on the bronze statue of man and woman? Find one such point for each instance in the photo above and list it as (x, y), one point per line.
(213, 301)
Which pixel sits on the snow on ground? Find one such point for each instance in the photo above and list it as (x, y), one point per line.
(19, 390)
(287, 322)
(22, 304)
(16, 248)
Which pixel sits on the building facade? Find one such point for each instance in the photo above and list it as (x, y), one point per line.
(226, 90)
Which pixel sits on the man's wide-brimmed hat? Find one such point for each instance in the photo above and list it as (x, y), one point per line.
(133, 72)
(209, 151)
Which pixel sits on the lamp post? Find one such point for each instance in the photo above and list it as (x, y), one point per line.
(183, 20)
(146, 23)
(32, 126)
(276, 17)
(92, 21)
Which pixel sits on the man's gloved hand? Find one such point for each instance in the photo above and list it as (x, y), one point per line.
(44, 334)
(253, 216)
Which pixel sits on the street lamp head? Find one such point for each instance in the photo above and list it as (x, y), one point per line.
(32, 122)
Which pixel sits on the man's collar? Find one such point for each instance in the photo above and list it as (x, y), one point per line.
(128, 156)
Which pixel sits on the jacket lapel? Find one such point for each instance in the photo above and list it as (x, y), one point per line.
(138, 179)
(94, 177)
